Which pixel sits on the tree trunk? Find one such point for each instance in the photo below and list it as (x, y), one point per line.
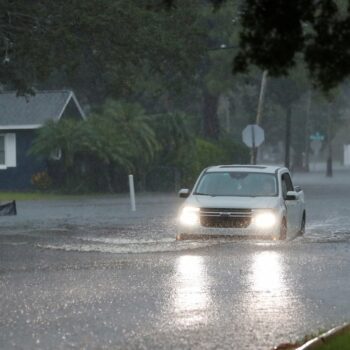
(329, 171)
(288, 136)
(108, 178)
(210, 115)
(298, 160)
(329, 162)
(254, 150)
(307, 132)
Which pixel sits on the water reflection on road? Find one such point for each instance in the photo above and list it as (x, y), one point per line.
(267, 280)
(270, 298)
(191, 291)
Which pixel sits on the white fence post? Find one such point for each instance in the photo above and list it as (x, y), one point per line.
(347, 155)
(132, 192)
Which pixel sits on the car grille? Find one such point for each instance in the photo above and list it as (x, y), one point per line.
(225, 217)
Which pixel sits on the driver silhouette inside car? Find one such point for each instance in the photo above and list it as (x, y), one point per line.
(268, 187)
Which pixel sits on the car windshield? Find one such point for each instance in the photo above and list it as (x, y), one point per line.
(242, 184)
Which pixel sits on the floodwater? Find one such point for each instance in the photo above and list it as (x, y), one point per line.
(91, 274)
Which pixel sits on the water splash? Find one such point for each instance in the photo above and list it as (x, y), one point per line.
(125, 246)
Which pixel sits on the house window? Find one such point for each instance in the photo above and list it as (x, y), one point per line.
(8, 153)
(2, 149)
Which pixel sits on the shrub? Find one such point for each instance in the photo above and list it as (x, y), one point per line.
(204, 153)
(42, 181)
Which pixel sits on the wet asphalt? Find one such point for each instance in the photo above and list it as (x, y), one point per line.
(90, 274)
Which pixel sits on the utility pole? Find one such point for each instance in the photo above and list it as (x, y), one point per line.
(254, 150)
(288, 134)
(307, 131)
(261, 97)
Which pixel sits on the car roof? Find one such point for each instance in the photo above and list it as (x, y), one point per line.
(270, 169)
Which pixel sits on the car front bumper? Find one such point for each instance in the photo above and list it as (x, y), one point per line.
(198, 231)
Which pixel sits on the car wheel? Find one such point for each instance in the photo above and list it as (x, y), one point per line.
(302, 225)
(283, 230)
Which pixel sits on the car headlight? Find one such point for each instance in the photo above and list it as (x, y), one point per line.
(189, 216)
(265, 219)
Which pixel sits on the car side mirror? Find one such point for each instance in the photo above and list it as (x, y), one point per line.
(184, 193)
(297, 188)
(291, 196)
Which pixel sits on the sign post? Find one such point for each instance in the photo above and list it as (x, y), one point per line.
(316, 146)
(316, 140)
(253, 136)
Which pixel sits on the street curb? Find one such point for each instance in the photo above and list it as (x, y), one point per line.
(324, 338)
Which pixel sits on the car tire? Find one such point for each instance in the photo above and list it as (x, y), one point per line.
(301, 232)
(283, 230)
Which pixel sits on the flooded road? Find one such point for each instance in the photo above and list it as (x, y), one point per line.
(94, 275)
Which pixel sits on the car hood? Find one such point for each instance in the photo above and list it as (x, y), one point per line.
(233, 202)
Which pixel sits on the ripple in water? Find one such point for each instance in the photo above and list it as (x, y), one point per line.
(331, 230)
(126, 246)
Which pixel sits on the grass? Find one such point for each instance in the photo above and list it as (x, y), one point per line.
(340, 342)
(30, 196)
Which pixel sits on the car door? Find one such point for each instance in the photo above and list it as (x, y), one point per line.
(292, 206)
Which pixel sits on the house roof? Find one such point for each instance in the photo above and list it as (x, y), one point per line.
(31, 112)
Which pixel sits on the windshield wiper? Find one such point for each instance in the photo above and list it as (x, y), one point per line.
(227, 195)
(204, 194)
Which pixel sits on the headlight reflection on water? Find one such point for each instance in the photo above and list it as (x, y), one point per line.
(270, 297)
(267, 273)
(191, 291)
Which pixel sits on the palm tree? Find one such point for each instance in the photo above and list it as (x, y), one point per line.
(118, 139)
(65, 136)
(121, 137)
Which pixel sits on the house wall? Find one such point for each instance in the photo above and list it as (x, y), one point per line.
(19, 177)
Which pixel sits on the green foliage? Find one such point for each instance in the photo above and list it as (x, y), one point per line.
(118, 137)
(97, 154)
(207, 153)
(193, 160)
(271, 34)
(65, 135)
(119, 133)
(101, 43)
(175, 135)
(169, 59)
(173, 130)
(275, 31)
(237, 152)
